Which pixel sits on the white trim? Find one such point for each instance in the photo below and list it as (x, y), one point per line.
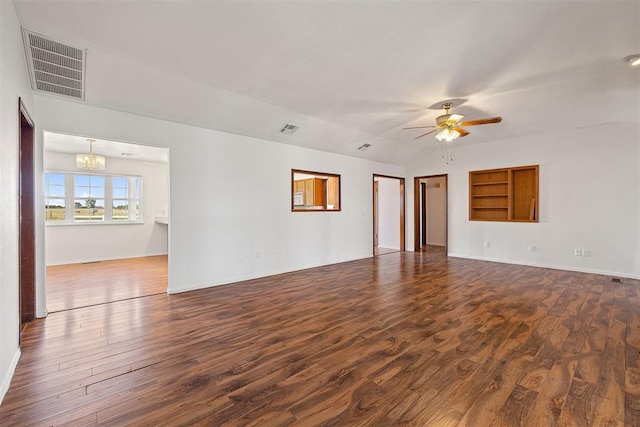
(554, 267)
(83, 261)
(6, 381)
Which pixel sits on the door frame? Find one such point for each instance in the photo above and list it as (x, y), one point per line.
(26, 219)
(419, 209)
(402, 226)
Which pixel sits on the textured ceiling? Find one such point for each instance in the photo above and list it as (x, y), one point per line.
(350, 72)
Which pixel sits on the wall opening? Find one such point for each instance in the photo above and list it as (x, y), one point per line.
(430, 213)
(27, 266)
(106, 231)
(388, 214)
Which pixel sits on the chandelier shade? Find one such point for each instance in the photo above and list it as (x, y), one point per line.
(89, 160)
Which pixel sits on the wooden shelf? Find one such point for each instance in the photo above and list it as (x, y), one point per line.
(491, 183)
(507, 194)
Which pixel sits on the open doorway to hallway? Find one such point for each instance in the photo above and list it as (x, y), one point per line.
(27, 249)
(388, 214)
(106, 227)
(430, 213)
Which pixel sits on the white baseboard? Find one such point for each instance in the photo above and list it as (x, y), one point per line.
(553, 267)
(243, 278)
(6, 381)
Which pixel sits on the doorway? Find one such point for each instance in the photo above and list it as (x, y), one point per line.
(430, 213)
(388, 214)
(27, 239)
(106, 229)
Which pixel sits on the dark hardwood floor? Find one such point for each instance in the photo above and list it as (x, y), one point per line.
(81, 285)
(404, 338)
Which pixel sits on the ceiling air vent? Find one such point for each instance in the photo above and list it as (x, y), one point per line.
(364, 147)
(55, 67)
(288, 129)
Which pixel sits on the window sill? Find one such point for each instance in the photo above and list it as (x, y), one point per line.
(62, 224)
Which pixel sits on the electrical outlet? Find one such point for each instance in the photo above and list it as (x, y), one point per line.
(586, 252)
(258, 254)
(532, 248)
(577, 252)
(487, 244)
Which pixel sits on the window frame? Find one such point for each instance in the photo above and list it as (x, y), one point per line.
(131, 198)
(107, 217)
(295, 206)
(48, 198)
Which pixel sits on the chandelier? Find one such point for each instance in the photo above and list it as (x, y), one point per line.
(89, 160)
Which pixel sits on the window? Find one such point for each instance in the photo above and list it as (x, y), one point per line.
(89, 197)
(126, 198)
(54, 204)
(314, 191)
(72, 198)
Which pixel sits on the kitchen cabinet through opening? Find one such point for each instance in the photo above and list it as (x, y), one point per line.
(314, 191)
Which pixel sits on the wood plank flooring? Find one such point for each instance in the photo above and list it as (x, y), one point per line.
(382, 251)
(81, 285)
(400, 339)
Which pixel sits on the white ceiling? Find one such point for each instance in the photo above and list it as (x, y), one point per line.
(70, 144)
(350, 72)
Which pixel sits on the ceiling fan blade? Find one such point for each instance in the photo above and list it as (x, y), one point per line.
(482, 121)
(425, 134)
(418, 127)
(461, 131)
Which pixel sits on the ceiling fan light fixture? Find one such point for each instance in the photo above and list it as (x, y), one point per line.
(447, 135)
(89, 160)
(634, 59)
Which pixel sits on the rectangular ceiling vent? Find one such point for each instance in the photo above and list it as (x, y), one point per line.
(55, 67)
(288, 129)
(364, 147)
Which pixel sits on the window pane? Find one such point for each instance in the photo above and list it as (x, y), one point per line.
(54, 210)
(120, 210)
(89, 209)
(54, 184)
(81, 180)
(89, 186)
(120, 187)
(120, 182)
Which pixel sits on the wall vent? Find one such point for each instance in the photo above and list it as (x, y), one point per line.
(288, 129)
(364, 147)
(55, 67)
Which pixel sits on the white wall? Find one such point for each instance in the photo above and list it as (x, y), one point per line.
(230, 206)
(589, 199)
(14, 83)
(436, 224)
(388, 213)
(66, 244)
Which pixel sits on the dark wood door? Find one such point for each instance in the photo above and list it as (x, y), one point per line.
(423, 214)
(27, 240)
(375, 216)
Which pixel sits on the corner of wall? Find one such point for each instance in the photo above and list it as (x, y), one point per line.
(6, 381)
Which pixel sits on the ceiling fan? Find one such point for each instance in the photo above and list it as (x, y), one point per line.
(450, 125)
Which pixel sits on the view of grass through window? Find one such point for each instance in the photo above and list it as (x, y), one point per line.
(55, 200)
(80, 198)
(89, 197)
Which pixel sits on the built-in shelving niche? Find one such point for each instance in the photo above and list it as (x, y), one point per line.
(507, 194)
